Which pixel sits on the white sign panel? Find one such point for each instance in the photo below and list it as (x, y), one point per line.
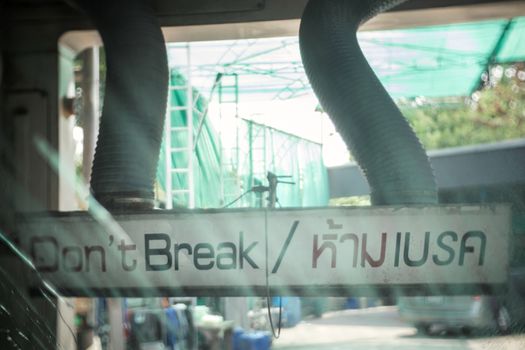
(239, 252)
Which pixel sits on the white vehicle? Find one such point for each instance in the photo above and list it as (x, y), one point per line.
(505, 313)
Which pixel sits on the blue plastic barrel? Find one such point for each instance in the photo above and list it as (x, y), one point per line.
(238, 332)
(255, 341)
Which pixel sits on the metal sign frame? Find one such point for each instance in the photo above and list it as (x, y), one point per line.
(417, 250)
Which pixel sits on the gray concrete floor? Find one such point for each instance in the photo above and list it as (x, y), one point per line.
(381, 328)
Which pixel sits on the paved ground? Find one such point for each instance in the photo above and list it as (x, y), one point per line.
(380, 328)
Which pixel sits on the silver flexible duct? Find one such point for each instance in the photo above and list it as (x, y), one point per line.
(389, 153)
(132, 121)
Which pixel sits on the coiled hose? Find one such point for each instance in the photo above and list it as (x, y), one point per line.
(386, 148)
(134, 105)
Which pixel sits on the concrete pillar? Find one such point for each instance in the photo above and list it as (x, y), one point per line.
(115, 316)
(236, 309)
(90, 107)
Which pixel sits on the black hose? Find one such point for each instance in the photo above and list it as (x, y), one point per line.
(389, 153)
(132, 121)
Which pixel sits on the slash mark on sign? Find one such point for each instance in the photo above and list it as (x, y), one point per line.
(285, 246)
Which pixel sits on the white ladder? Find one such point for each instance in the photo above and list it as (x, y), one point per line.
(185, 195)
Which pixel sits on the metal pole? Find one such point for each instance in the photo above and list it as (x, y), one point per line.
(167, 154)
(189, 115)
(250, 155)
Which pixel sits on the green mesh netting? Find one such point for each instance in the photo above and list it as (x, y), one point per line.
(299, 160)
(445, 60)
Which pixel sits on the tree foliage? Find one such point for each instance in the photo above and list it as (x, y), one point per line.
(495, 112)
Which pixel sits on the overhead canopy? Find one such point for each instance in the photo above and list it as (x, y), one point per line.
(435, 61)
